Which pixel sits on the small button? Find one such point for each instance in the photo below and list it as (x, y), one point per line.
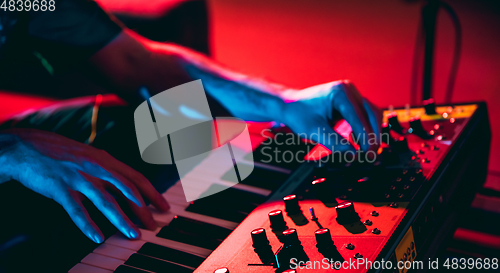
(349, 246)
(419, 152)
(358, 256)
(392, 187)
(452, 120)
(412, 179)
(405, 257)
(425, 160)
(398, 179)
(424, 145)
(440, 137)
(376, 231)
(387, 196)
(408, 251)
(222, 270)
(394, 205)
(412, 245)
(375, 213)
(437, 126)
(368, 222)
(401, 195)
(406, 187)
(290, 271)
(434, 148)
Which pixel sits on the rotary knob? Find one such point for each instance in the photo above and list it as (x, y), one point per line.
(291, 238)
(291, 204)
(277, 221)
(323, 238)
(430, 107)
(346, 213)
(259, 238)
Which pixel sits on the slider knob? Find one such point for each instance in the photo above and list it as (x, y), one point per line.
(323, 238)
(277, 221)
(346, 213)
(291, 204)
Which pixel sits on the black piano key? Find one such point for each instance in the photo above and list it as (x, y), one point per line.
(232, 194)
(260, 177)
(169, 254)
(194, 232)
(155, 265)
(230, 204)
(284, 143)
(219, 211)
(195, 226)
(128, 269)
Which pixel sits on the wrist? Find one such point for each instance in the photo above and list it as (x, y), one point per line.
(9, 144)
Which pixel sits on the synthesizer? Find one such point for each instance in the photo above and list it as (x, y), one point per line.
(316, 215)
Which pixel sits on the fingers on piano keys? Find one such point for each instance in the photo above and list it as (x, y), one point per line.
(189, 232)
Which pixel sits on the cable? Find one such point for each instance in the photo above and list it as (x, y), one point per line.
(456, 54)
(417, 54)
(416, 64)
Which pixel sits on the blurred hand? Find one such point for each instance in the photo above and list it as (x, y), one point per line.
(68, 171)
(316, 108)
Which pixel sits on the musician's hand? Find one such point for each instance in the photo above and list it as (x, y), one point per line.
(315, 108)
(68, 171)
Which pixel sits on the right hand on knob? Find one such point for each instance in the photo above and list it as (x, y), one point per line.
(319, 106)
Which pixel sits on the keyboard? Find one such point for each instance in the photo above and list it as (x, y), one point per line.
(190, 231)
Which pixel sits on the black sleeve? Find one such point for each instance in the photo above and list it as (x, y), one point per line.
(74, 31)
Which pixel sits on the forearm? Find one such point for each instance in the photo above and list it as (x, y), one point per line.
(160, 66)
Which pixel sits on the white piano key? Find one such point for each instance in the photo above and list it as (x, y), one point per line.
(114, 251)
(101, 261)
(164, 218)
(150, 236)
(121, 241)
(85, 268)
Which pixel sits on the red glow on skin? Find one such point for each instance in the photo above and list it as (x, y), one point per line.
(318, 152)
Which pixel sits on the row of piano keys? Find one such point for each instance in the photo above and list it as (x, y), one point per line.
(189, 232)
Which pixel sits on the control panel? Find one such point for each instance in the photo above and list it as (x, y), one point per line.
(353, 216)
